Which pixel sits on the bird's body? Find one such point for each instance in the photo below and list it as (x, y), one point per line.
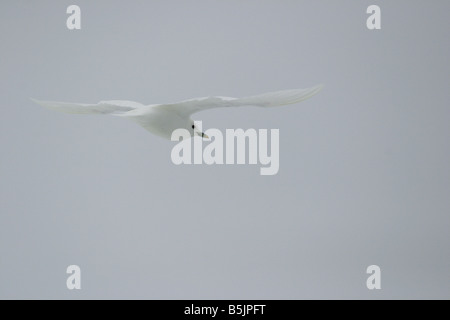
(163, 119)
(157, 120)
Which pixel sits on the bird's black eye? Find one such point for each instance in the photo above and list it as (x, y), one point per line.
(193, 126)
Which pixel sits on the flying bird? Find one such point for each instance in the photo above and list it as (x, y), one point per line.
(163, 119)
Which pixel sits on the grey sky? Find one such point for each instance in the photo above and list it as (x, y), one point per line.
(364, 166)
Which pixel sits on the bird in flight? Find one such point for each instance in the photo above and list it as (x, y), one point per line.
(163, 119)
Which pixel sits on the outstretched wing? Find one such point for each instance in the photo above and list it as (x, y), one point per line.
(271, 99)
(103, 107)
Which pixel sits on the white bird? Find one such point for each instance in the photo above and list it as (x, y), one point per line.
(163, 119)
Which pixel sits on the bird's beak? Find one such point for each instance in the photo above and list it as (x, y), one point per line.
(203, 135)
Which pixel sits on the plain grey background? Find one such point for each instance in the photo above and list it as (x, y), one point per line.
(364, 166)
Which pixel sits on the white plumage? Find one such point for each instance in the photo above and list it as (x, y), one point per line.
(163, 119)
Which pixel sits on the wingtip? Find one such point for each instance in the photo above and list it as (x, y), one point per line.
(315, 90)
(36, 101)
(44, 104)
(319, 87)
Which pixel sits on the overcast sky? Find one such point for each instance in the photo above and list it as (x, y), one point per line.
(364, 166)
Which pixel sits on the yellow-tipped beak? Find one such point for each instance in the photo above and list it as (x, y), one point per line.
(202, 134)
